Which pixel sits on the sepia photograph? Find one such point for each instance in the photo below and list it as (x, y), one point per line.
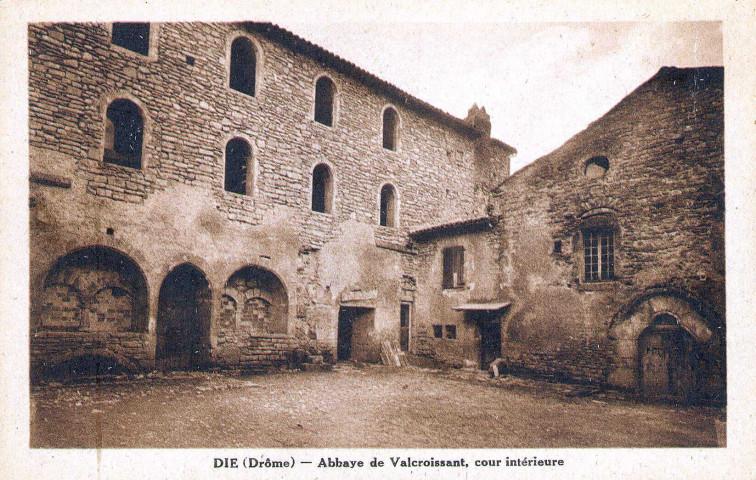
(278, 235)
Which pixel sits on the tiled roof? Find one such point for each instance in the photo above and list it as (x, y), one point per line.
(331, 60)
(453, 227)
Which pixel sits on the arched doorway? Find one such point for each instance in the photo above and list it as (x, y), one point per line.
(183, 322)
(668, 360)
(666, 347)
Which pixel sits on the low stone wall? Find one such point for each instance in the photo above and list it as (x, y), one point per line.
(130, 349)
(256, 352)
(584, 364)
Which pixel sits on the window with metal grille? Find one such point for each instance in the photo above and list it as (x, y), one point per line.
(132, 36)
(438, 331)
(599, 254)
(454, 267)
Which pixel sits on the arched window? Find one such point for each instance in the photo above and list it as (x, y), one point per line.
(388, 217)
(243, 66)
(390, 129)
(325, 94)
(322, 189)
(238, 178)
(124, 131)
(596, 167)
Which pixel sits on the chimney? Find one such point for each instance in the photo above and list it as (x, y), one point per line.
(479, 119)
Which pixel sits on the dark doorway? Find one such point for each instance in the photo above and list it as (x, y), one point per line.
(344, 346)
(355, 335)
(183, 323)
(668, 359)
(490, 343)
(404, 327)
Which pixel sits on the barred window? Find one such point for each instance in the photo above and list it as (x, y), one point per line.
(599, 254)
(438, 331)
(454, 267)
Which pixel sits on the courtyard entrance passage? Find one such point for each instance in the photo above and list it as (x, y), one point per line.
(354, 335)
(183, 323)
(668, 360)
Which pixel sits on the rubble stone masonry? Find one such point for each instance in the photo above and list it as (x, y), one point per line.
(174, 209)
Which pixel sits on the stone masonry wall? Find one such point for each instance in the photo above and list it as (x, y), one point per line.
(174, 209)
(191, 113)
(664, 189)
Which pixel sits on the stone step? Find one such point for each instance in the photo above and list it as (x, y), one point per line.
(316, 367)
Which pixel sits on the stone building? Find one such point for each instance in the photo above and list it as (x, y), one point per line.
(232, 195)
(604, 260)
(229, 195)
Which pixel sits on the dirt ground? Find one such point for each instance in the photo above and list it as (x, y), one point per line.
(353, 407)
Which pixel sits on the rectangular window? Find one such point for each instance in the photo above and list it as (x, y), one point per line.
(451, 332)
(454, 267)
(132, 36)
(599, 255)
(438, 331)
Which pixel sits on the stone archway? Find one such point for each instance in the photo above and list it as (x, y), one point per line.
(255, 301)
(664, 348)
(183, 322)
(668, 360)
(94, 289)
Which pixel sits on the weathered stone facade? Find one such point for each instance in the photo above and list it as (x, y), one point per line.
(186, 238)
(661, 201)
(602, 262)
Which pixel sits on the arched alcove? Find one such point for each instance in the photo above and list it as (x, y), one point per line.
(257, 301)
(95, 289)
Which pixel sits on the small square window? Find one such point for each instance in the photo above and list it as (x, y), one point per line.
(438, 331)
(557, 246)
(451, 332)
(132, 36)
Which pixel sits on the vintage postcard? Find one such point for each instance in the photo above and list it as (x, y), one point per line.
(345, 241)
